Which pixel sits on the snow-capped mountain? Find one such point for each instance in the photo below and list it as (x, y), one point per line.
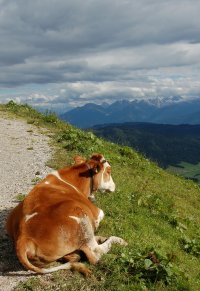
(171, 110)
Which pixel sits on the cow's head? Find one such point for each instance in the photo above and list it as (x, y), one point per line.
(100, 170)
(102, 179)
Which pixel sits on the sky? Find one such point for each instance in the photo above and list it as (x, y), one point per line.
(59, 54)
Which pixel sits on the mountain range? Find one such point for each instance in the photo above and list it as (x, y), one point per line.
(173, 110)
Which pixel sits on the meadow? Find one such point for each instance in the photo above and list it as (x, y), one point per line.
(156, 212)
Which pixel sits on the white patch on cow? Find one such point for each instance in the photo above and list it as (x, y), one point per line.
(57, 175)
(99, 219)
(78, 219)
(101, 215)
(88, 232)
(29, 216)
(106, 164)
(94, 247)
(106, 185)
(46, 182)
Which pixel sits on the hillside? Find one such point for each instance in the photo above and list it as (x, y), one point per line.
(157, 213)
(173, 110)
(168, 145)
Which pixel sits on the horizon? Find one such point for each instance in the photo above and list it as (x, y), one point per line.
(94, 52)
(158, 102)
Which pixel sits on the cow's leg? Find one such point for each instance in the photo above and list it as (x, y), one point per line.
(91, 248)
(90, 245)
(106, 246)
(73, 257)
(94, 251)
(100, 239)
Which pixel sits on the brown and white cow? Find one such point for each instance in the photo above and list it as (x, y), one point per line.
(57, 220)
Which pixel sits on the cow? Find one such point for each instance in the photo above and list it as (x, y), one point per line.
(56, 220)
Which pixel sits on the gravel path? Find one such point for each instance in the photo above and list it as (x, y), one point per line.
(23, 153)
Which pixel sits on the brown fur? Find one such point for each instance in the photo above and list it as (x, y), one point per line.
(43, 226)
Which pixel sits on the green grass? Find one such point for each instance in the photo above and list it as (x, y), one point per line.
(20, 197)
(187, 170)
(156, 212)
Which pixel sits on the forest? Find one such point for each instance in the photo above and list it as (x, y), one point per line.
(167, 145)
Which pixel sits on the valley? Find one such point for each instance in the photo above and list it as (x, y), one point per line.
(173, 147)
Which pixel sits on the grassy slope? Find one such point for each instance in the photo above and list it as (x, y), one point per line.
(153, 210)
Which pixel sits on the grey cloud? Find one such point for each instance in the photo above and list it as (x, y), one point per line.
(121, 41)
(74, 26)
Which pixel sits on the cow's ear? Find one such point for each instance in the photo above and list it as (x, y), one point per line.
(97, 168)
(79, 160)
(96, 157)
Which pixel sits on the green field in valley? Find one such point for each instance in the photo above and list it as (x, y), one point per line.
(187, 170)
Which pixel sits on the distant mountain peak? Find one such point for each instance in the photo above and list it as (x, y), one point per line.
(171, 110)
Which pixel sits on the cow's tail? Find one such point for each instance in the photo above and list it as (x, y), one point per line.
(25, 247)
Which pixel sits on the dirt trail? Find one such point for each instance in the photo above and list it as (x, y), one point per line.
(23, 154)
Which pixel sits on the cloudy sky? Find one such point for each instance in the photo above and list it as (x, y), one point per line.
(65, 53)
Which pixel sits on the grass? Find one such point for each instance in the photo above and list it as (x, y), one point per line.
(20, 197)
(187, 170)
(156, 212)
